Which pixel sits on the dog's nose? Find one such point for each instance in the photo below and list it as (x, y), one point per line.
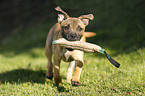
(73, 35)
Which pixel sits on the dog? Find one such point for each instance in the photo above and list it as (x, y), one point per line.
(72, 29)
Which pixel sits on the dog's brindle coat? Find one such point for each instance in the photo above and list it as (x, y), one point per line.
(71, 29)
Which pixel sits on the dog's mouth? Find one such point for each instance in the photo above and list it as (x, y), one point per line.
(69, 49)
(71, 37)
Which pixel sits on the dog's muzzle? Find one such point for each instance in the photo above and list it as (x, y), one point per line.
(72, 37)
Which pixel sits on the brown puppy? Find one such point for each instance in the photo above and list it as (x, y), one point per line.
(72, 29)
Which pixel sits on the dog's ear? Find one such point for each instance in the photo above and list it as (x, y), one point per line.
(62, 16)
(85, 18)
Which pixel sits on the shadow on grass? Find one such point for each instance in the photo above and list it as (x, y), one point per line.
(22, 75)
(27, 75)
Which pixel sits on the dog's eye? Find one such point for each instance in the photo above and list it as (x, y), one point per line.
(66, 27)
(79, 28)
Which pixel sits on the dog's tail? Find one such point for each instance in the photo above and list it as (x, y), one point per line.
(89, 34)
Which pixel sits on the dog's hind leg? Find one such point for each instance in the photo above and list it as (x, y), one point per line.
(56, 66)
(48, 53)
(70, 70)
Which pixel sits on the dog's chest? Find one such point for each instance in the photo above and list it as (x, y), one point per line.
(66, 55)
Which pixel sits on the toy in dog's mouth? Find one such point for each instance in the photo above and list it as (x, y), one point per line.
(84, 46)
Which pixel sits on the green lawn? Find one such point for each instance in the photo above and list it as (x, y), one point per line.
(23, 67)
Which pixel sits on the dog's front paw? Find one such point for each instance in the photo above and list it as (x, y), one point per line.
(75, 83)
(49, 76)
(57, 80)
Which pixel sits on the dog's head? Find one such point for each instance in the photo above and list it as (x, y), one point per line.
(73, 28)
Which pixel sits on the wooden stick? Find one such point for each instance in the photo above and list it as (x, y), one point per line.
(79, 45)
(84, 46)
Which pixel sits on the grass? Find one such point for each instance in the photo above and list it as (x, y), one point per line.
(23, 63)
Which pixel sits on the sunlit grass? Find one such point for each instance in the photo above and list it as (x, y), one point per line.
(24, 74)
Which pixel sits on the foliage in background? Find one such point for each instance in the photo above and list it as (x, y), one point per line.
(120, 20)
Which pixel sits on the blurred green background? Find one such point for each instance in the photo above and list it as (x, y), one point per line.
(119, 24)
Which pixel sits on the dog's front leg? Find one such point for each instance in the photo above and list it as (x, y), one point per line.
(56, 67)
(77, 73)
(70, 71)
